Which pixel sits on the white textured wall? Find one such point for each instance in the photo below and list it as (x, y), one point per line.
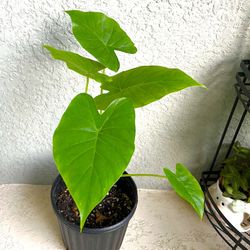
(205, 38)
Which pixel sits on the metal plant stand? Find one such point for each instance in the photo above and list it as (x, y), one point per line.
(234, 238)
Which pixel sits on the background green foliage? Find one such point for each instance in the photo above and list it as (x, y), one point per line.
(236, 174)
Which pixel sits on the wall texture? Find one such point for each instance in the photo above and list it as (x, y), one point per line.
(207, 39)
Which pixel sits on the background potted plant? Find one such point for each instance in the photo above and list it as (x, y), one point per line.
(232, 190)
(92, 148)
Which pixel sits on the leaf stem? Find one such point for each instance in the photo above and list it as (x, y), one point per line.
(103, 71)
(148, 175)
(87, 85)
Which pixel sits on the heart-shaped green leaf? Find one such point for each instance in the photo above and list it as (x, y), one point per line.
(144, 85)
(100, 35)
(79, 64)
(91, 151)
(187, 187)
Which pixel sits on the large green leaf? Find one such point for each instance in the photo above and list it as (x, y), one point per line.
(100, 35)
(91, 151)
(144, 85)
(79, 64)
(187, 187)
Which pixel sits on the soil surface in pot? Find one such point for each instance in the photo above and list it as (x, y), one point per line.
(113, 208)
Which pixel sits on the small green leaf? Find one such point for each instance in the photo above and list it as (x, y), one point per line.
(92, 151)
(239, 195)
(235, 184)
(226, 194)
(187, 187)
(225, 172)
(100, 35)
(79, 64)
(229, 189)
(244, 183)
(144, 85)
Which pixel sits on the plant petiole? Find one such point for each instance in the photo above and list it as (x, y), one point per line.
(148, 175)
(87, 85)
(103, 71)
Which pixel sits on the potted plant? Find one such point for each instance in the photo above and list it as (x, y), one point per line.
(93, 197)
(231, 192)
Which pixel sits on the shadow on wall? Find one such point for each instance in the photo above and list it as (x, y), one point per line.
(201, 120)
(41, 170)
(211, 110)
(35, 169)
(211, 115)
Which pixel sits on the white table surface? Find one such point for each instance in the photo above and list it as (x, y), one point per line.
(162, 221)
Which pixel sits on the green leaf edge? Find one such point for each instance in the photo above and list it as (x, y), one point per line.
(170, 174)
(99, 77)
(109, 87)
(115, 69)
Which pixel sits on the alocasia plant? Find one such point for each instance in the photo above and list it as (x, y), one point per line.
(92, 149)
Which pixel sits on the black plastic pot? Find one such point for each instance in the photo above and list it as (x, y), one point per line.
(107, 238)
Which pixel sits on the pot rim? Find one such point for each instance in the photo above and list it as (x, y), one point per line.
(93, 230)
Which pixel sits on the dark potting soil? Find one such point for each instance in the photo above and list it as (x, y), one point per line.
(113, 208)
